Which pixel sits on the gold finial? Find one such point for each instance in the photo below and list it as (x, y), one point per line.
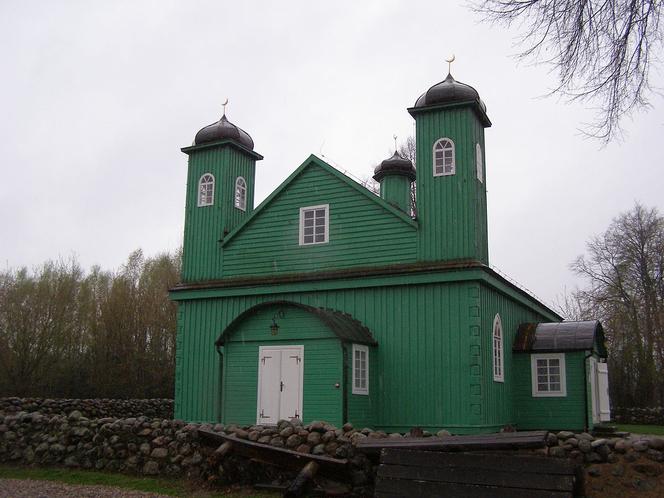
(449, 61)
(224, 105)
(395, 143)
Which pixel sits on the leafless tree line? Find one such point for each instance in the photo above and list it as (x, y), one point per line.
(68, 333)
(624, 268)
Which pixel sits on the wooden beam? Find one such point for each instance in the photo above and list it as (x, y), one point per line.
(298, 486)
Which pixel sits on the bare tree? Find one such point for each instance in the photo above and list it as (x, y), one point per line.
(602, 50)
(625, 270)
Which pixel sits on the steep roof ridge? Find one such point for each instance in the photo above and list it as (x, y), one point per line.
(313, 159)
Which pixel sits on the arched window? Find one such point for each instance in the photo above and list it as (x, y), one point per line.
(478, 162)
(498, 374)
(206, 190)
(443, 158)
(240, 194)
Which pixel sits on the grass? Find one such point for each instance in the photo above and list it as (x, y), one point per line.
(657, 430)
(163, 486)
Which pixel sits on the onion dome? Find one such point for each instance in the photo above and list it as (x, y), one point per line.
(224, 130)
(451, 91)
(395, 165)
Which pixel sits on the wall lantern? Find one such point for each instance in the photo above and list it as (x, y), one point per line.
(274, 327)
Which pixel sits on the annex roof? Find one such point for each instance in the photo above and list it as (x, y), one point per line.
(559, 337)
(344, 326)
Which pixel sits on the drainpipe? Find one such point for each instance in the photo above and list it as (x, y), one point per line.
(220, 352)
(585, 391)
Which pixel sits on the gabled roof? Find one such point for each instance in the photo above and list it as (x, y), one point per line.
(343, 325)
(313, 161)
(559, 337)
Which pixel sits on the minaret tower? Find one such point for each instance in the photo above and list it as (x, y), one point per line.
(220, 194)
(450, 119)
(395, 176)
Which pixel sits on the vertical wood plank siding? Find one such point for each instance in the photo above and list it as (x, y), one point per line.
(419, 370)
(204, 226)
(497, 397)
(395, 189)
(451, 209)
(361, 232)
(550, 413)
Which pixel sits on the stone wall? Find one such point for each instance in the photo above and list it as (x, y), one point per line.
(91, 408)
(646, 416)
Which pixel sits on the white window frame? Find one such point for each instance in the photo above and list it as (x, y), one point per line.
(453, 148)
(303, 210)
(360, 390)
(498, 357)
(202, 200)
(240, 197)
(533, 371)
(479, 162)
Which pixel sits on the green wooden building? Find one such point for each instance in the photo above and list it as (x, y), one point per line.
(328, 302)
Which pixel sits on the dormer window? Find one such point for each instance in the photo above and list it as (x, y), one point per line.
(443, 158)
(478, 162)
(240, 201)
(314, 224)
(206, 190)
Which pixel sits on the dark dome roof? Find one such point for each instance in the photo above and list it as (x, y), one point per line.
(221, 130)
(449, 91)
(395, 165)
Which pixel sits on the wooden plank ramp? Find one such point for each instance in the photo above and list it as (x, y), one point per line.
(416, 473)
(306, 464)
(478, 442)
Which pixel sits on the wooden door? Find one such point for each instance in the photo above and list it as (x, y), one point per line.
(280, 383)
(603, 390)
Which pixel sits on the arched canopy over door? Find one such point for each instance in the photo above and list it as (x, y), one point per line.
(284, 359)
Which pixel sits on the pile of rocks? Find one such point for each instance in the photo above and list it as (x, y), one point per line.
(647, 416)
(91, 408)
(585, 448)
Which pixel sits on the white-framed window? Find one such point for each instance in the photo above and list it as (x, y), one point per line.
(444, 162)
(206, 190)
(314, 224)
(240, 200)
(360, 369)
(479, 163)
(548, 374)
(498, 373)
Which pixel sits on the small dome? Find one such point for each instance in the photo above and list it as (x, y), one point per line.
(395, 165)
(221, 130)
(449, 91)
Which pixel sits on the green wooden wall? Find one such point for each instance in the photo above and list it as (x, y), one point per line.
(204, 226)
(395, 189)
(451, 210)
(567, 412)
(420, 372)
(361, 407)
(362, 232)
(495, 396)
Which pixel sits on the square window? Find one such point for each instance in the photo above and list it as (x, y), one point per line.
(314, 225)
(548, 375)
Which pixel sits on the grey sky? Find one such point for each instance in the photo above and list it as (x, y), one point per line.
(98, 97)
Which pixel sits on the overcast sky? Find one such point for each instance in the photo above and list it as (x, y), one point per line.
(97, 99)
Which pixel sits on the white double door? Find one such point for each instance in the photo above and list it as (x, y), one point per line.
(280, 383)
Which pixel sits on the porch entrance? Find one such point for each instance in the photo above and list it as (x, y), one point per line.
(280, 383)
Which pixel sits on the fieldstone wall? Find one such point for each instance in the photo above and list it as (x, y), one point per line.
(153, 446)
(646, 416)
(91, 408)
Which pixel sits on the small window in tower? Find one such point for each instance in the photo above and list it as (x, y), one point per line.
(240, 194)
(443, 158)
(498, 375)
(314, 224)
(206, 190)
(360, 369)
(479, 163)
